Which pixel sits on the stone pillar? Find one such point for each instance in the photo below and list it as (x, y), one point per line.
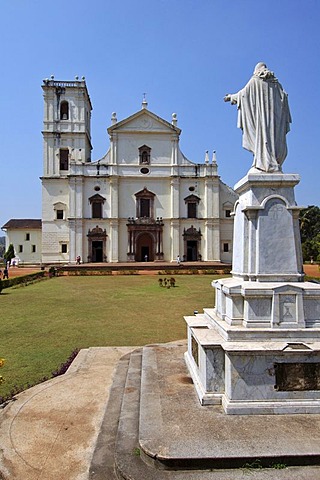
(114, 197)
(208, 252)
(114, 240)
(175, 239)
(174, 153)
(175, 210)
(72, 197)
(72, 240)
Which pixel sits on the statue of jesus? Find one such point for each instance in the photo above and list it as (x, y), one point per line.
(264, 118)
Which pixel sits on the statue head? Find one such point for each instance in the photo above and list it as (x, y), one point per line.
(259, 67)
(261, 70)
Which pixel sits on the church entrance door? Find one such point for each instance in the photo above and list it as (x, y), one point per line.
(97, 251)
(145, 248)
(192, 251)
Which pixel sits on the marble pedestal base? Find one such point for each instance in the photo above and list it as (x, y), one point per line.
(258, 351)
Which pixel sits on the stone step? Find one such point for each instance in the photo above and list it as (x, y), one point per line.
(102, 464)
(177, 433)
(154, 428)
(127, 452)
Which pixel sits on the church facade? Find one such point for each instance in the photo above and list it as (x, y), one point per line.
(142, 201)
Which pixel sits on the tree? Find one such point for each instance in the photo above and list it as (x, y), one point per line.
(9, 255)
(2, 246)
(310, 233)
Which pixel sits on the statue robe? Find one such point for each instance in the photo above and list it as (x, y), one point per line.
(264, 117)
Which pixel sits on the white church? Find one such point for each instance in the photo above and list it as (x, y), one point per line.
(142, 201)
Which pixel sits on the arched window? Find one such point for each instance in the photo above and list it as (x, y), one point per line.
(64, 110)
(144, 155)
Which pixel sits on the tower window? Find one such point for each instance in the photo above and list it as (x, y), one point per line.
(27, 237)
(227, 209)
(33, 248)
(64, 248)
(226, 247)
(64, 111)
(64, 159)
(59, 214)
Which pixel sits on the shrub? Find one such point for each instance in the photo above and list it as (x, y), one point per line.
(23, 280)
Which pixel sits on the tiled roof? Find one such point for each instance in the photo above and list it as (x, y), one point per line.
(23, 223)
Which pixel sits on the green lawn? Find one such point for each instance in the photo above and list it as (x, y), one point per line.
(44, 322)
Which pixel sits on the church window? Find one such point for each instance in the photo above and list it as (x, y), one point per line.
(59, 214)
(144, 155)
(33, 248)
(64, 111)
(20, 248)
(145, 207)
(192, 210)
(27, 237)
(226, 247)
(144, 203)
(64, 248)
(64, 159)
(228, 213)
(192, 202)
(97, 202)
(96, 209)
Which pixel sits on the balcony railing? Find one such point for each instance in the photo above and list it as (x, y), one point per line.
(56, 83)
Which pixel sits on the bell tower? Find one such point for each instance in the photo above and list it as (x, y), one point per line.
(66, 125)
(66, 150)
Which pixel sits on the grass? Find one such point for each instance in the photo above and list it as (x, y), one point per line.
(44, 322)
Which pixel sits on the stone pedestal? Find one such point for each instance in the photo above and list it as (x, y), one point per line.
(258, 350)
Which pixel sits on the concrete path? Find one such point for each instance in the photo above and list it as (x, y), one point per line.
(50, 431)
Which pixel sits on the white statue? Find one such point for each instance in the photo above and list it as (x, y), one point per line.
(264, 118)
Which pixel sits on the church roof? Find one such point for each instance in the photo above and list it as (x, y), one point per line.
(144, 112)
(23, 223)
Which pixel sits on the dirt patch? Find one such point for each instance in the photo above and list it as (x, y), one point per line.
(312, 270)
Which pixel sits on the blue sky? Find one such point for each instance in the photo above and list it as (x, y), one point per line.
(185, 54)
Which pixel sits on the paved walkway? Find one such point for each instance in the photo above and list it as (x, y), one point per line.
(311, 270)
(50, 431)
